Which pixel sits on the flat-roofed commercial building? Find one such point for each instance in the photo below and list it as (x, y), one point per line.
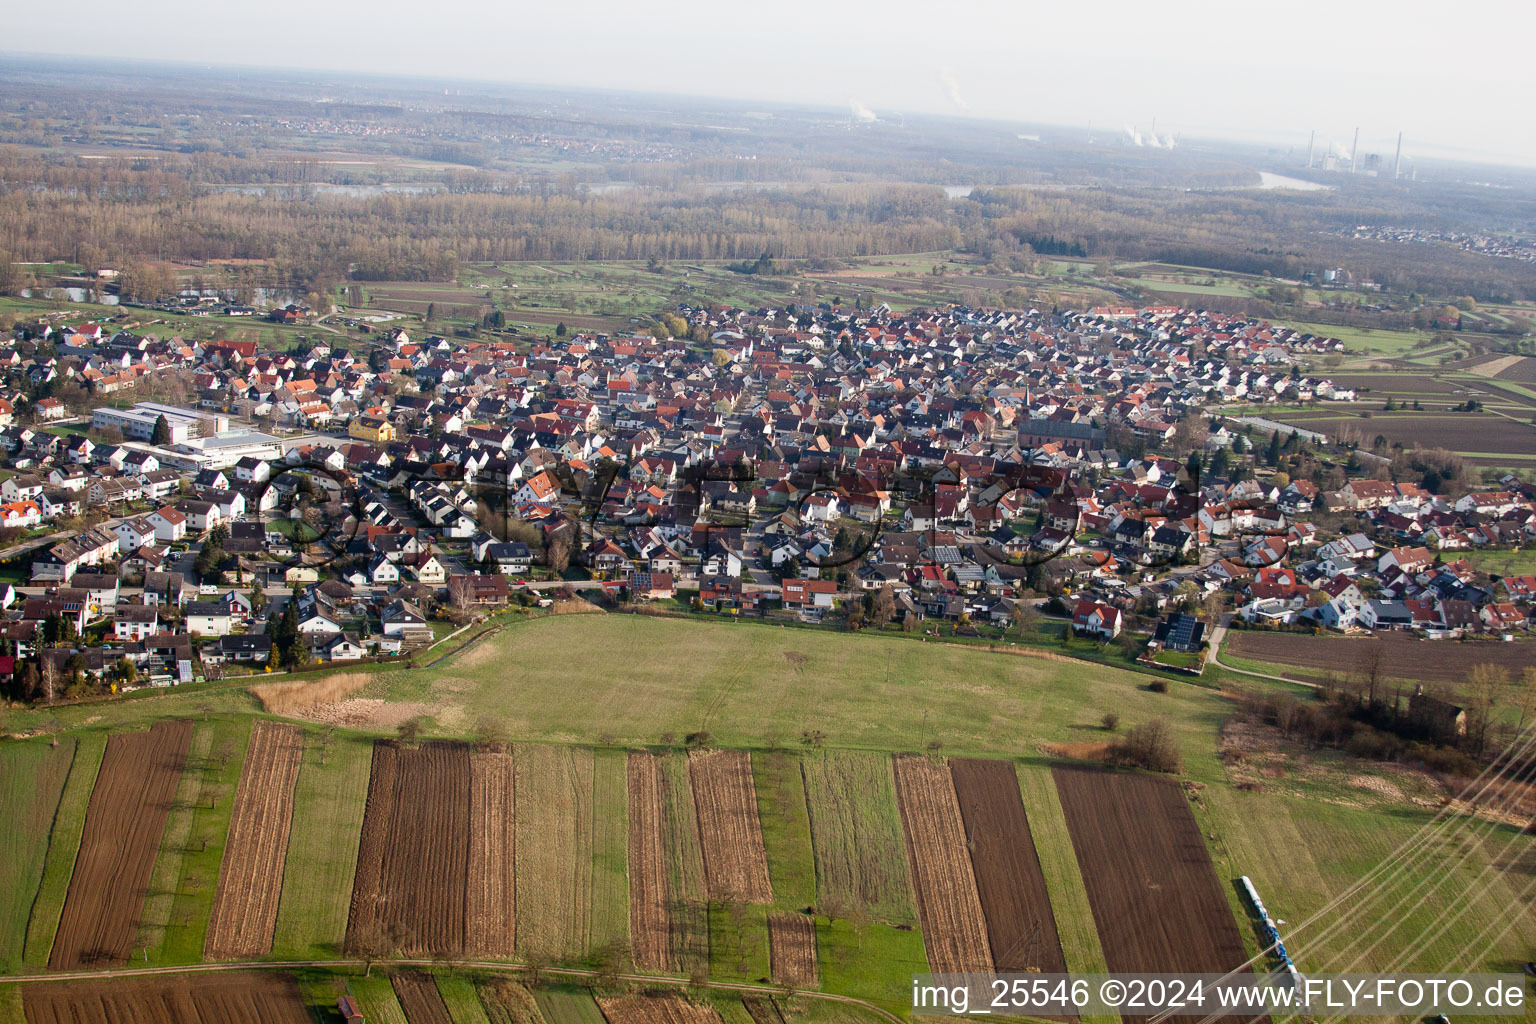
(139, 422)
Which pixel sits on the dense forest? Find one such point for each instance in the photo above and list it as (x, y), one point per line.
(388, 181)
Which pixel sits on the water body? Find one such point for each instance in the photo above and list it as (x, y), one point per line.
(327, 188)
(75, 295)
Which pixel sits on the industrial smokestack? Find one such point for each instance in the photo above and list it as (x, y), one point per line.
(1354, 151)
(1311, 139)
(1397, 161)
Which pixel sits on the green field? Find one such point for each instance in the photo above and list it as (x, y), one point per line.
(647, 681)
(861, 862)
(1365, 340)
(329, 798)
(32, 777)
(568, 1005)
(1499, 561)
(610, 852)
(461, 999)
(145, 321)
(376, 998)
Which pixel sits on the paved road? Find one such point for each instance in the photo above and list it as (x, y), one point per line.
(1213, 657)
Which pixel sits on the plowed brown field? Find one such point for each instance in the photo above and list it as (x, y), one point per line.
(251, 879)
(792, 950)
(413, 856)
(488, 912)
(1157, 903)
(1402, 656)
(420, 1000)
(650, 918)
(656, 1008)
(954, 931)
(234, 998)
(123, 827)
(1021, 928)
(730, 832)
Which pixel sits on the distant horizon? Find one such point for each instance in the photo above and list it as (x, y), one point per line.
(1189, 68)
(1432, 153)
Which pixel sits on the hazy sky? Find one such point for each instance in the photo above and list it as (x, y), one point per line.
(1199, 67)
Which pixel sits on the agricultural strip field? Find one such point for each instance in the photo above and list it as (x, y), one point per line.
(861, 864)
(328, 805)
(786, 827)
(123, 827)
(63, 846)
(489, 911)
(1482, 432)
(568, 1006)
(32, 776)
(165, 882)
(251, 879)
(1058, 862)
(462, 1000)
(954, 929)
(610, 851)
(650, 903)
(376, 998)
(505, 1001)
(792, 946)
(656, 1008)
(234, 998)
(1021, 927)
(730, 834)
(553, 834)
(419, 999)
(669, 928)
(1402, 656)
(413, 857)
(1156, 900)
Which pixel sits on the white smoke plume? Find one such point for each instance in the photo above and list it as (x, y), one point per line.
(953, 88)
(860, 111)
